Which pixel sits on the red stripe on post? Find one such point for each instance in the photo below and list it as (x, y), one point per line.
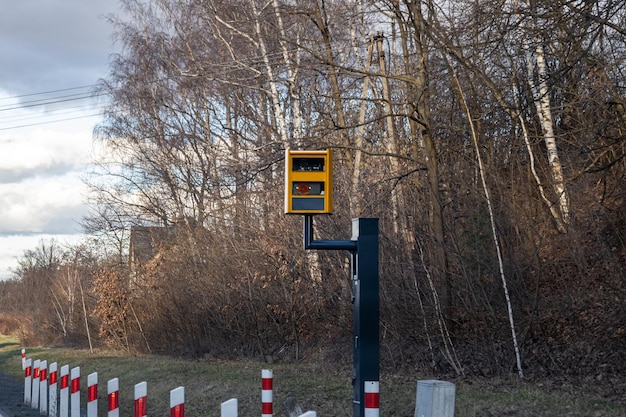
(53, 378)
(29, 371)
(36, 376)
(266, 383)
(267, 408)
(42, 375)
(75, 385)
(64, 381)
(140, 407)
(92, 392)
(178, 411)
(372, 400)
(113, 401)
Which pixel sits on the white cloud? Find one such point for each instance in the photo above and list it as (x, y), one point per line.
(50, 45)
(61, 42)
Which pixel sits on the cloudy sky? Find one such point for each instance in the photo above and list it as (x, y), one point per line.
(53, 52)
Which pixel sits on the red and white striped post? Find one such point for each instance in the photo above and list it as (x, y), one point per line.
(34, 403)
(75, 392)
(28, 381)
(64, 392)
(177, 402)
(267, 393)
(141, 399)
(372, 397)
(92, 395)
(43, 387)
(52, 394)
(113, 398)
(23, 359)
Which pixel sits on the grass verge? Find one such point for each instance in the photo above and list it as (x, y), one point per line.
(325, 389)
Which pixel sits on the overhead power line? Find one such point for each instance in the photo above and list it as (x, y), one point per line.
(50, 121)
(58, 104)
(55, 100)
(48, 92)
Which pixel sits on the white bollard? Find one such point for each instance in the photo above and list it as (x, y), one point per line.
(372, 395)
(92, 395)
(177, 402)
(229, 408)
(141, 398)
(28, 381)
(23, 359)
(43, 388)
(434, 399)
(309, 414)
(64, 392)
(35, 396)
(52, 394)
(113, 398)
(267, 393)
(75, 392)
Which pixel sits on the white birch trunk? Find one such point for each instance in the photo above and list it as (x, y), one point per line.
(271, 79)
(292, 72)
(494, 232)
(541, 98)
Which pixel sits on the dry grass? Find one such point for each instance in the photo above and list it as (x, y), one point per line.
(325, 389)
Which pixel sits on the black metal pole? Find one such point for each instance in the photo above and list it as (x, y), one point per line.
(365, 311)
(365, 298)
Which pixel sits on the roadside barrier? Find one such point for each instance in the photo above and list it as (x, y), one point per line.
(141, 399)
(52, 394)
(34, 401)
(28, 381)
(92, 395)
(75, 392)
(113, 398)
(177, 402)
(64, 392)
(267, 393)
(41, 389)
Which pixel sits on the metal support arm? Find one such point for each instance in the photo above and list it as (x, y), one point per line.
(309, 243)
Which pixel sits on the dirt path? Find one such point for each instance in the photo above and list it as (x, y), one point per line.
(12, 398)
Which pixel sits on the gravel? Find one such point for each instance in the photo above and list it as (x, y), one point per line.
(12, 398)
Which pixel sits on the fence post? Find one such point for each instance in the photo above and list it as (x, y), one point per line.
(92, 395)
(35, 396)
(177, 402)
(64, 392)
(113, 398)
(267, 393)
(141, 394)
(28, 381)
(52, 395)
(75, 392)
(43, 387)
(229, 408)
(23, 359)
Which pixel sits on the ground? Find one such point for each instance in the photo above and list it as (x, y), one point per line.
(12, 398)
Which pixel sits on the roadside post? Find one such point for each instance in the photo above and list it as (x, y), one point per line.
(308, 191)
(52, 390)
(28, 381)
